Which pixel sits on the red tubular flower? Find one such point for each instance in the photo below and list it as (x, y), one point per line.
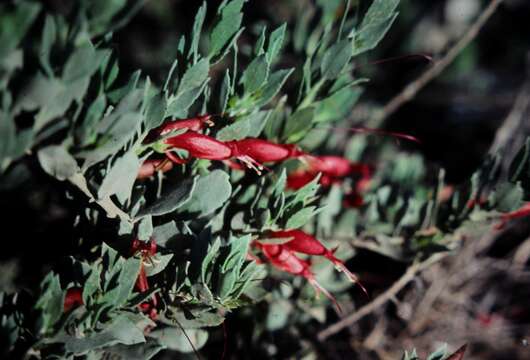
(73, 298)
(299, 179)
(146, 250)
(254, 152)
(283, 259)
(334, 166)
(333, 169)
(263, 151)
(524, 211)
(306, 244)
(251, 152)
(192, 124)
(199, 146)
(151, 166)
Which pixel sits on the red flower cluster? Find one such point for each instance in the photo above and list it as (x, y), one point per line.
(333, 169)
(146, 251)
(251, 152)
(283, 257)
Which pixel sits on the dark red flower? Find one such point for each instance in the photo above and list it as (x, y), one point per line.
(284, 259)
(304, 243)
(192, 124)
(200, 146)
(73, 298)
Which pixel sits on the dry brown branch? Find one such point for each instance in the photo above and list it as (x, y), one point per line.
(410, 91)
(382, 299)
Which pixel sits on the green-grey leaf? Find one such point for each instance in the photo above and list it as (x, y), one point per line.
(175, 338)
(275, 43)
(300, 218)
(375, 25)
(336, 59)
(195, 76)
(51, 301)
(211, 192)
(121, 177)
(132, 352)
(145, 228)
(57, 162)
(226, 27)
(160, 263)
(172, 200)
(272, 87)
(196, 32)
(15, 24)
(119, 331)
(165, 232)
(226, 91)
(48, 38)
(82, 63)
(299, 124)
(190, 87)
(256, 74)
(236, 131)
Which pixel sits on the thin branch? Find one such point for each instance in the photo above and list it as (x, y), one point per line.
(382, 299)
(410, 91)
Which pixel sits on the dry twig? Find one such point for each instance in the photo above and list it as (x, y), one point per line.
(410, 91)
(382, 299)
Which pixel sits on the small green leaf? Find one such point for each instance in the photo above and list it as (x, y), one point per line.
(81, 64)
(211, 192)
(226, 27)
(195, 76)
(236, 131)
(160, 262)
(57, 162)
(15, 24)
(190, 87)
(48, 38)
(226, 91)
(145, 228)
(275, 43)
(121, 177)
(377, 21)
(272, 87)
(120, 331)
(51, 301)
(256, 74)
(126, 280)
(196, 32)
(172, 200)
(300, 218)
(179, 339)
(132, 352)
(336, 59)
(155, 110)
(163, 233)
(299, 124)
